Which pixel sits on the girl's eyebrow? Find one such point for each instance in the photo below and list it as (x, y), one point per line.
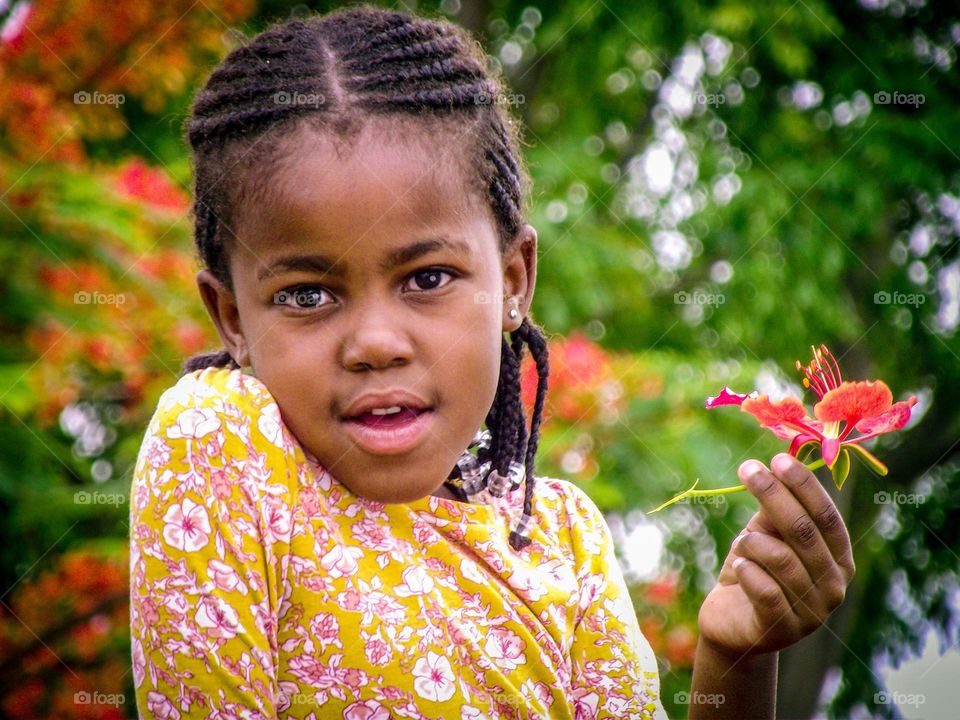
(327, 265)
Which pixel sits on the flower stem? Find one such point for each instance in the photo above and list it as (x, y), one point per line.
(691, 492)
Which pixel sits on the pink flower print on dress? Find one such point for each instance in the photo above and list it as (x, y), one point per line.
(148, 611)
(434, 678)
(593, 586)
(505, 648)
(157, 454)
(374, 603)
(161, 708)
(269, 424)
(194, 423)
(276, 515)
(186, 526)
(139, 662)
(220, 483)
(526, 584)
(415, 582)
(377, 650)
(225, 577)
(341, 561)
(218, 617)
(176, 603)
(326, 680)
(470, 570)
(538, 690)
(326, 629)
(366, 710)
(585, 704)
(373, 535)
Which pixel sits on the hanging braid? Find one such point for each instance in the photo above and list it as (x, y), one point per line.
(332, 73)
(507, 418)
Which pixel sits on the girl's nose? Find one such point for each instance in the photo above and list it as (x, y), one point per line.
(376, 343)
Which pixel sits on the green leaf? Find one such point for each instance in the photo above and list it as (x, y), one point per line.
(872, 461)
(840, 468)
(806, 450)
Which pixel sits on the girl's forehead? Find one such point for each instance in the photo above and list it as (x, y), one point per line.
(370, 189)
(398, 158)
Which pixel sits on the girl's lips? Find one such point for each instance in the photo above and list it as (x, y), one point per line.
(386, 436)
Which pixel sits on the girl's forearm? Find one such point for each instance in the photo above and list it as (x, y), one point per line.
(724, 687)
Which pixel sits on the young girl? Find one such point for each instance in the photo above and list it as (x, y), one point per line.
(337, 515)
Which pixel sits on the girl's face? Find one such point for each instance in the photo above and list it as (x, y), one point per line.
(373, 270)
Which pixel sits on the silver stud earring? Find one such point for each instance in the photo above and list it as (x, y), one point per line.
(513, 313)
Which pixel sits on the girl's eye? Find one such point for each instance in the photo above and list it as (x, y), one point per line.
(430, 277)
(304, 297)
(308, 297)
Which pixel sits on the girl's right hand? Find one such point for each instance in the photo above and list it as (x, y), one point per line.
(786, 572)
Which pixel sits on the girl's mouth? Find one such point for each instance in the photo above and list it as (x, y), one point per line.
(390, 434)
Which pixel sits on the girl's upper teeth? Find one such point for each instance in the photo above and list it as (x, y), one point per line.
(386, 411)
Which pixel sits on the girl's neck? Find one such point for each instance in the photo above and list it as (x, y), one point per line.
(450, 493)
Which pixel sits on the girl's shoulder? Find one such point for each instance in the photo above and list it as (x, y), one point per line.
(566, 513)
(212, 387)
(220, 400)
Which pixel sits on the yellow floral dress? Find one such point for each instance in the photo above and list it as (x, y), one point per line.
(261, 587)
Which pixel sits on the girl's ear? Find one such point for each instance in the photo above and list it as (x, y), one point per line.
(519, 276)
(222, 308)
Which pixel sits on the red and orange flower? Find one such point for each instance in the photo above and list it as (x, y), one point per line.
(846, 414)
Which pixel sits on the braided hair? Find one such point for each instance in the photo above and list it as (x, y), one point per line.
(333, 72)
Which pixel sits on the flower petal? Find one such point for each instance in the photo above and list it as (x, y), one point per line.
(787, 418)
(893, 419)
(800, 441)
(727, 397)
(853, 401)
(829, 447)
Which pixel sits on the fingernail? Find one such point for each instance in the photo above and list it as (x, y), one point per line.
(750, 468)
(738, 562)
(782, 462)
(738, 538)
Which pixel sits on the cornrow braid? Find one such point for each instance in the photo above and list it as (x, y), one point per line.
(332, 73)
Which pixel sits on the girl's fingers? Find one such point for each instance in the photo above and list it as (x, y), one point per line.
(819, 506)
(778, 498)
(769, 602)
(782, 564)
